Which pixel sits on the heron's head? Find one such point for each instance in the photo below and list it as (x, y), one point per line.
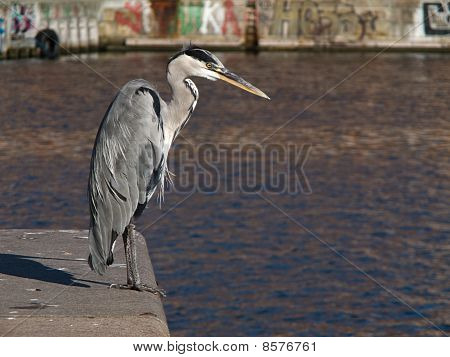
(193, 61)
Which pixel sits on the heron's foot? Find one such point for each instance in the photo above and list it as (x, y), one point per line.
(150, 289)
(119, 286)
(140, 287)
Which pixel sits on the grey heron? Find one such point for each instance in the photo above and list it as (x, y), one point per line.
(129, 158)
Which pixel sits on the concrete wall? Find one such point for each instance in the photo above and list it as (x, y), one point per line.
(83, 24)
(120, 19)
(286, 23)
(76, 23)
(190, 19)
(298, 23)
(354, 22)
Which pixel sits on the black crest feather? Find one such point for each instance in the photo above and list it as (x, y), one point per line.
(197, 53)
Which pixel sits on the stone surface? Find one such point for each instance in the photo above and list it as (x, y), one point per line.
(47, 289)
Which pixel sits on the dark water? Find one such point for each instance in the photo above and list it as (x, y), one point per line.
(233, 264)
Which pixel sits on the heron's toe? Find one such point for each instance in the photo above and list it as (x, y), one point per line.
(119, 286)
(150, 289)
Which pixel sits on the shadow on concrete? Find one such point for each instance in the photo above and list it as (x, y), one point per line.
(23, 267)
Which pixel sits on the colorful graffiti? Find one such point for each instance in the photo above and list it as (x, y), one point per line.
(213, 16)
(190, 17)
(82, 23)
(130, 16)
(209, 17)
(230, 19)
(165, 17)
(126, 18)
(22, 19)
(437, 18)
(2, 32)
(332, 21)
(171, 18)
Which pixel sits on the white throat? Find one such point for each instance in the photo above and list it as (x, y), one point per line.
(183, 101)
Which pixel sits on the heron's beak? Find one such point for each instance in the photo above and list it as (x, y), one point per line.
(234, 79)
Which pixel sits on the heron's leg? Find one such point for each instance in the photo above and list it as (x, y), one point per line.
(137, 284)
(133, 278)
(127, 244)
(132, 267)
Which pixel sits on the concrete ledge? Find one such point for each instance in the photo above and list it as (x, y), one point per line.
(172, 44)
(175, 44)
(47, 289)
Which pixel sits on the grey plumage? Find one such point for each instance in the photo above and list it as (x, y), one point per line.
(126, 167)
(129, 157)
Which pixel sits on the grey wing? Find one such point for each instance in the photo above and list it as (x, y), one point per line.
(125, 167)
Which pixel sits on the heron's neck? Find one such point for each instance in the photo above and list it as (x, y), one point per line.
(182, 104)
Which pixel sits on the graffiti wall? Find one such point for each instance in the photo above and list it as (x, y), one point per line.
(220, 18)
(75, 22)
(3, 16)
(84, 24)
(165, 15)
(23, 18)
(437, 18)
(331, 21)
(81, 24)
(128, 18)
(198, 18)
(312, 22)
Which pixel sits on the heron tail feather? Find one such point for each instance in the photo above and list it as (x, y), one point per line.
(96, 260)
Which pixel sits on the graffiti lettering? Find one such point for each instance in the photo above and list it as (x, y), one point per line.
(189, 16)
(198, 17)
(2, 26)
(212, 16)
(2, 32)
(341, 20)
(230, 18)
(22, 19)
(331, 21)
(130, 16)
(437, 18)
(146, 14)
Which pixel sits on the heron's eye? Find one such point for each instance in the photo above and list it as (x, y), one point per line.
(209, 65)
